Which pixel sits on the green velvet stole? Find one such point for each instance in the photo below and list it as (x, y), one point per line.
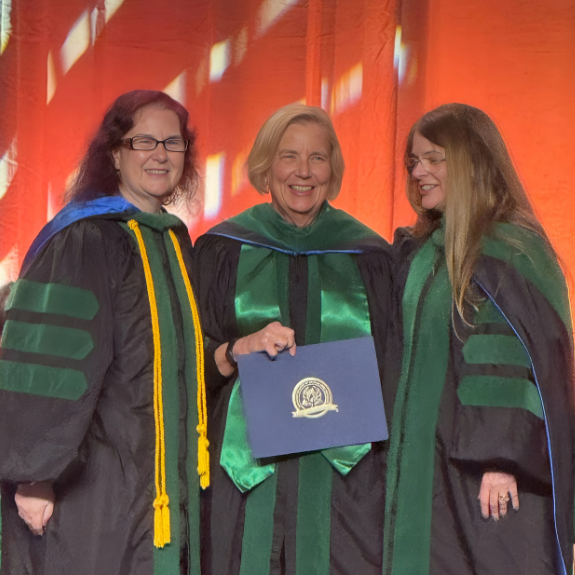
(167, 559)
(426, 347)
(337, 309)
(427, 308)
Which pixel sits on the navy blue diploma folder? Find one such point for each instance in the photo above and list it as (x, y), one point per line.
(328, 395)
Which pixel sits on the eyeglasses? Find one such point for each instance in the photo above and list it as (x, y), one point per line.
(148, 143)
(430, 164)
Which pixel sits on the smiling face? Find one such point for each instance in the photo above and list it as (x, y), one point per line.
(300, 175)
(432, 186)
(148, 177)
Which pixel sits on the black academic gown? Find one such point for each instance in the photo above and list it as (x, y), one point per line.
(357, 500)
(97, 447)
(496, 412)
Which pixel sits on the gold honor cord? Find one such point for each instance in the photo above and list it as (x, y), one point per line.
(162, 534)
(202, 429)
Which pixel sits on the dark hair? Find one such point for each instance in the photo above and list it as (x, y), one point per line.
(97, 175)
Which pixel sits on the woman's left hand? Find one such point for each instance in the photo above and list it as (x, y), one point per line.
(35, 502)
(496, 487)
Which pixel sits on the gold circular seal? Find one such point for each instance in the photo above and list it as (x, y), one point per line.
(312, 398)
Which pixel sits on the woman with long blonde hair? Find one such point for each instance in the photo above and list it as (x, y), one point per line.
(480, 476)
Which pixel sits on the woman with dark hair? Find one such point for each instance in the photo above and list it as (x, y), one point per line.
(291, 272)
(99, 176)
(480, 472)
(101, 365)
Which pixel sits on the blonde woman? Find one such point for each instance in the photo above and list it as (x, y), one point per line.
(282, 274)
(480, 476)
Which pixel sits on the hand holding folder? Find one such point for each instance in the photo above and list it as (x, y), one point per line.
(327, 395)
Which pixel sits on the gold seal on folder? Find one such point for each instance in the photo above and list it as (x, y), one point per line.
(312, 398)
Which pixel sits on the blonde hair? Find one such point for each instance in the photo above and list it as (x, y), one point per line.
(268, 139)
(482, 188)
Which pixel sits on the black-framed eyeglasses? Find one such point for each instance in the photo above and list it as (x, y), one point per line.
(148, 143)
(430, 164)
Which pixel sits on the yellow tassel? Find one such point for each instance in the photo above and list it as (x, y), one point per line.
(158, 528)
(162, 534)
(202, 428)
(161, 521)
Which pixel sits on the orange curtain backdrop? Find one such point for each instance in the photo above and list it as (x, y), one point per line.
(374, 65)
(334, 54)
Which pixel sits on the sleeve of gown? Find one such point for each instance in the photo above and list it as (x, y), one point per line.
(56, 348)
(214, 279)
(498, 421)
(493, 419)
(376, 271)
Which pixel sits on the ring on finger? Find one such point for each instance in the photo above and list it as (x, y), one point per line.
(503, 499)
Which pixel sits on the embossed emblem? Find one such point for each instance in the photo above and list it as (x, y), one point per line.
(312, 398)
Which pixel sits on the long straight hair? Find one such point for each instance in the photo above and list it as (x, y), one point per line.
(482, 188)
